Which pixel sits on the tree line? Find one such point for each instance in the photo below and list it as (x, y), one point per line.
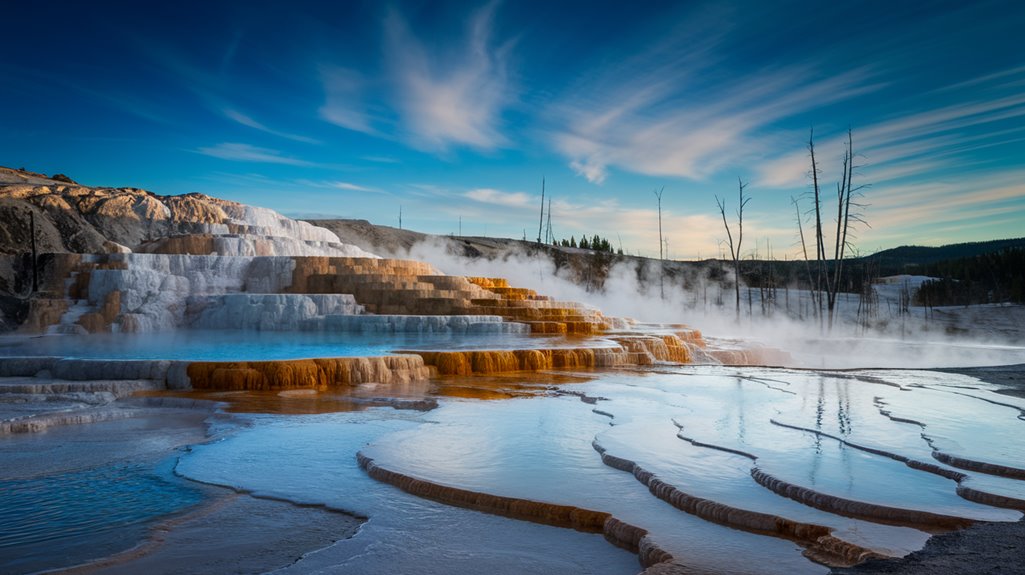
(596, 243)
(996, 277)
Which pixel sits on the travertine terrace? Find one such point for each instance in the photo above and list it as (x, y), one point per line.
(154, 263)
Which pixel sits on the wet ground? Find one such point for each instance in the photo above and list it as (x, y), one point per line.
(984, 548)
(729, 470)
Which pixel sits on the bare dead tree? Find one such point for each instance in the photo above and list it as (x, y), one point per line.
(820, 245)
(541, 223)
(550, 236)
(845, 191)
(735, 248)
(804, 245)
(827, 282)
(661, 256)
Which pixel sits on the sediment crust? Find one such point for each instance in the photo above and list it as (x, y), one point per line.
(953, 460)
(968, 493)
(819, 543)
(319, 374)
(483, 362)
(924, 520)
(697, 443)
(631, 350)
(979, 466)
(39, 423)
(912, 463)
(47, 388)
(617, 532)
(87, 369)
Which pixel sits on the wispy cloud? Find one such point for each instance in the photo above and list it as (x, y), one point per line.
(245, 120)
(498, 197)
(594, 169)
(916, 143)
(247, 153)
(661, 114)
(381, 159)
(349, 186)
(345, 99)
(946, 209)
(448, 98)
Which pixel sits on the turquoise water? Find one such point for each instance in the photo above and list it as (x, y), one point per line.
(85, 514)
(241, 345)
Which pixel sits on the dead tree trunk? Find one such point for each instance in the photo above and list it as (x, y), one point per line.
(661, 256)
(549, 235)
(845, 192)
(821, 277)
(735, 249)
(541, 222)
(828, 281)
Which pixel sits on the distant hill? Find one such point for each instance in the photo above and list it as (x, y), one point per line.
(908, 259)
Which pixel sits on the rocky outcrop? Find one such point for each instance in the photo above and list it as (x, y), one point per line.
(82, 219)
(71, 218)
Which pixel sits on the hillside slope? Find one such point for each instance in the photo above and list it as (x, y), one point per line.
(907, 259)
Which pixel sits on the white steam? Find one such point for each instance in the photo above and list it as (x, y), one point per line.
(884, 337)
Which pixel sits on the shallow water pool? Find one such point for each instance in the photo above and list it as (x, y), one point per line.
(214, 345)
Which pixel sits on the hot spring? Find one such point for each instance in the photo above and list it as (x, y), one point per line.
(730, 470)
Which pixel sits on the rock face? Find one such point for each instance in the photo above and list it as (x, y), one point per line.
(82, 219)
(71, 218)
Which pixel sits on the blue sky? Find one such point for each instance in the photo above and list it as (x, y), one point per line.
(456, 110)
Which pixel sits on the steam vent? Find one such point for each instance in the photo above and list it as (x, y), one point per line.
(218, 360)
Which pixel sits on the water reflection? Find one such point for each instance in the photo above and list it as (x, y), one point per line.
(709, 432)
